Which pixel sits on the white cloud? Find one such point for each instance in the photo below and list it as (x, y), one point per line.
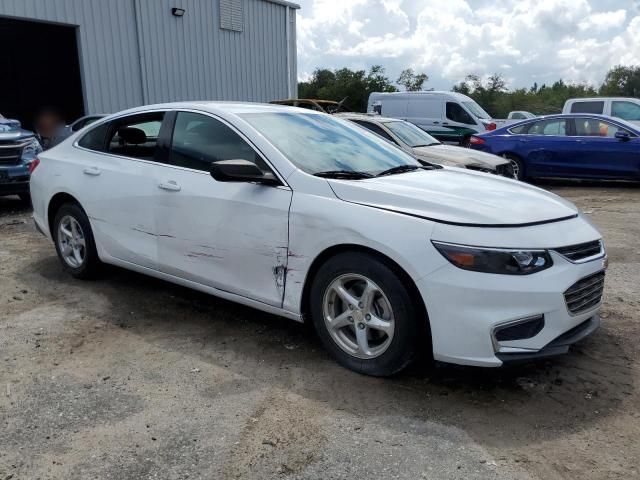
(527, 41)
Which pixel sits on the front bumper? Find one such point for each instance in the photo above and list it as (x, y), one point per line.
(558, 346)
(465, 309)
(14, 187)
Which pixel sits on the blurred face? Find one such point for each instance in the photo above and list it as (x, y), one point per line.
(47, 123)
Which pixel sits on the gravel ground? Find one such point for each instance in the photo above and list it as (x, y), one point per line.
(129, 377)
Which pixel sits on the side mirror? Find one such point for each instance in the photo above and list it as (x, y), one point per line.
(240, 170)
(622, 135)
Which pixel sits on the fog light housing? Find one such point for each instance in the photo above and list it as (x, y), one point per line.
(521, 329)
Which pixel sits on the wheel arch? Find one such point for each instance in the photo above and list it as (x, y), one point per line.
(55, 203)
(334, 250)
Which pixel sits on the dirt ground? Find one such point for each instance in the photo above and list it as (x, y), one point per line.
(132, 378)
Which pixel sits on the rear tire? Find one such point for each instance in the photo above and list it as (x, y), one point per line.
(364, 314)
(517, 166)
(75, 245)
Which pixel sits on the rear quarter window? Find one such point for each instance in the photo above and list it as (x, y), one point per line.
(94, 139)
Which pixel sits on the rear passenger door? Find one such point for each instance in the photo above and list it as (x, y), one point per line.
(116, 181)
(232, 236)
(547, 148)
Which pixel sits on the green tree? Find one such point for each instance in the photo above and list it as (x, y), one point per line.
(411, 81)
(354, 85)
(622, 81)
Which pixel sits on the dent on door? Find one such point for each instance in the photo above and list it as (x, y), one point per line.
(233, 237)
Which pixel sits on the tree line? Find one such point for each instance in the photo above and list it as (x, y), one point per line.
(492, 93)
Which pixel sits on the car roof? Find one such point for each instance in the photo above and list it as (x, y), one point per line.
(459, 96)
(595, 116)
(374, 118)
(218, 107)
(594, 99)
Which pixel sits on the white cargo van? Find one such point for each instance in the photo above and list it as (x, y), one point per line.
(448, 116)
(621, 107)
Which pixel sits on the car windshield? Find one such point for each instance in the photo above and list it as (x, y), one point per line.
(411, 135)
(476, 110)
(321, 143)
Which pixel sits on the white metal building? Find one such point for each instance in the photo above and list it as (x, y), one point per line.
(101, 56)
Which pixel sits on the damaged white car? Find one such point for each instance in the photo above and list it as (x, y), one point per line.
(308, 216)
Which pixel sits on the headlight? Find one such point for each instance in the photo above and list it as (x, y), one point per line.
(495, 260)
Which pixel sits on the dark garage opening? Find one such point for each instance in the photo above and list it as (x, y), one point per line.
(39, 69)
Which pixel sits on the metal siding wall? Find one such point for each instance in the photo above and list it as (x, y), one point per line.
(108, 46)
(187, 58)
(192, 58)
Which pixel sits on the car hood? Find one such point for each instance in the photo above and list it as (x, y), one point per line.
(11, 130)
(459, 197)
(457, 156)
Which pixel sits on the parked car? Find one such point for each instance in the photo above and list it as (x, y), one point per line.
(326, 106)
(448, 116)
(305, 215)
(513, 117)
(620, 107)
(422, 146)
(76, 126)
(18, 149)
(567, 146)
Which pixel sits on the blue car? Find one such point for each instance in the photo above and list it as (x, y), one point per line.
(18, 149)
(567, 146)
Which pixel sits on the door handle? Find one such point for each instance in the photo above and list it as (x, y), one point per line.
(436, 123)
(445, 123)
(171, 186)
(95, 171)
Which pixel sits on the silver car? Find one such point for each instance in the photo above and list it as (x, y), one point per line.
(424, 147)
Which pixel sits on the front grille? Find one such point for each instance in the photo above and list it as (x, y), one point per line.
(575, 253)
(585, 294)
(11, 152)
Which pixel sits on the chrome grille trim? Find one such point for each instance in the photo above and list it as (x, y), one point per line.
(585, 294)
(582, 252)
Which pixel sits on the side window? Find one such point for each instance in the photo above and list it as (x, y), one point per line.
(95, 138)
(199, 140)
(519, 129)
(518, 116)
(556, 128)
(592, 127)
(456, 113)
(626, 110)
(135, 136)
(375, 129)
(587, 107)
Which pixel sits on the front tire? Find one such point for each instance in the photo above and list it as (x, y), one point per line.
(74, 242)
(364, 314)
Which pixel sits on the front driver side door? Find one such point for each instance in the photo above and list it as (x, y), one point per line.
(601, 154)
(232, 236)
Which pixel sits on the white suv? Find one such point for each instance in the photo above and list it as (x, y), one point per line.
(311, 217)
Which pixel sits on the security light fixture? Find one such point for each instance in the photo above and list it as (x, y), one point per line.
(177, 12)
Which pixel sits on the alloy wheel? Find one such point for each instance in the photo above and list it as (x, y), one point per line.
(358, 316)
(71, 242)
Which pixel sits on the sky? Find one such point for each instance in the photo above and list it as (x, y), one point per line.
(525, 41)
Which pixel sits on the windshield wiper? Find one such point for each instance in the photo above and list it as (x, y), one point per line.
(398, 169)
(426, 144)
(344, 174)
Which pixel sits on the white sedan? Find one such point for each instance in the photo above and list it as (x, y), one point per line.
(308, 216)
